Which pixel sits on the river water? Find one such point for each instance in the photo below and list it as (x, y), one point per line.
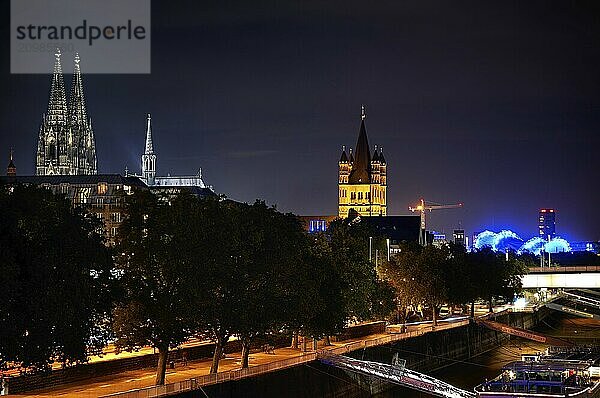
(468, 374)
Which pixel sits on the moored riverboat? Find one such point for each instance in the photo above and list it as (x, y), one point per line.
(560, 372)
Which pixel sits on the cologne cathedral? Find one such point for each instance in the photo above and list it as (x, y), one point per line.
(66, 143)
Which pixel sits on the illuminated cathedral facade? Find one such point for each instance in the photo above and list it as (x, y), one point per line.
(66, 144)
(362, 179)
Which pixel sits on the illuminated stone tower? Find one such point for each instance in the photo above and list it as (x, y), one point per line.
(362, 179)
(81, 133)
(66, 143)
(11, 170)
(149, 158)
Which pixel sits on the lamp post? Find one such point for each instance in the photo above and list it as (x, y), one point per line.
(387, 242)
(370, 248)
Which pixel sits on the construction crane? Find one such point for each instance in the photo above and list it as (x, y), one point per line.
(422, 207)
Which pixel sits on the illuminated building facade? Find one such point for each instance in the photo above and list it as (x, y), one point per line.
(362, 179)
(547, 223)
(66, 143)
(170, 184)
(459, 237)
(103, 195)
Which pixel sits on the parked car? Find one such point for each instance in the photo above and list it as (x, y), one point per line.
(444, 311)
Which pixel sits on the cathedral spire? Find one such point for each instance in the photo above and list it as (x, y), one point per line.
(149, 158)
(77, 109)
(149, 146)
(11, 170)
(66, 139)
(81, 134)
(57, 104)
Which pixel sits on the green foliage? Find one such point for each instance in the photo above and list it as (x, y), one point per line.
(345, 283)
(435, 276)
(420, 275)
(160, 266)
(56, 279)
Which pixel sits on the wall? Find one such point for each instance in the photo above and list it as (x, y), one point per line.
(318, 380)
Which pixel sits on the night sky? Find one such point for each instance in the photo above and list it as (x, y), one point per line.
(494, 104)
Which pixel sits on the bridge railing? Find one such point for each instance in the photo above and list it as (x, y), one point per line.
(565, 269)
(209, 379)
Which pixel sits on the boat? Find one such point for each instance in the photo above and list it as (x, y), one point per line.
(558, 372)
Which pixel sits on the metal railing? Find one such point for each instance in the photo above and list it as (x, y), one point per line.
(564, 269)
(232, 375)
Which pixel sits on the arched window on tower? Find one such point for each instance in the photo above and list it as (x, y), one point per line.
(51, 151)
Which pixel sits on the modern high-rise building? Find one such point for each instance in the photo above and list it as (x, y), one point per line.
(362, 179)
(459, 237)
(547, 223)
(66, 144)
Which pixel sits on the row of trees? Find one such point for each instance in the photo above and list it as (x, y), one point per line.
(180, 268)
(433, 276)
(209, 268)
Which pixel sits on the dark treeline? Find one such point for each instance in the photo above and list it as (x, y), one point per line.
(207, 268)
(433, 276)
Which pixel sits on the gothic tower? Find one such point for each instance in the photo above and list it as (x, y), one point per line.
(149, 158)
(66, 143)
(11, 170)
(362, 178)
(81, 134)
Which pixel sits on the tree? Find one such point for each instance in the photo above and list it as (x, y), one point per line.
(342, 283)
(157, 255)
(494, 275)
(56, 280)
(464, 278)
(269, 254)
(364, 293)
(217, 295)
(420, 275)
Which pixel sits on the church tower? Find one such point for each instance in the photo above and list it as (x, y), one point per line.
(66, 143)
(11, 170)
(81, 133)
(149, 158)
(362, 178)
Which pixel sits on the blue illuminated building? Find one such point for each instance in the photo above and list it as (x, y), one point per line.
(547, 223)
(508, 240)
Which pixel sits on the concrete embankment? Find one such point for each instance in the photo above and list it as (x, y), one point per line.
(423, 353)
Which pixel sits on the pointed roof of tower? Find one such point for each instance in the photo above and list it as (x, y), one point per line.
(343, 158)
(11, 170)
(149, 146)
(381, 158)
(375, 155)
(57, 104)
(77, 109)
(351, 156)
(361, 169)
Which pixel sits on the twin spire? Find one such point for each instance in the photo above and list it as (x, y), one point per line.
(66, 144)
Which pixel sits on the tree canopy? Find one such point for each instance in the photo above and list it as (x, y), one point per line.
(57, 284)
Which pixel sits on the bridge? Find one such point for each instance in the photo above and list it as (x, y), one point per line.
(396, 373)
(585, 276)
(580, 302)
